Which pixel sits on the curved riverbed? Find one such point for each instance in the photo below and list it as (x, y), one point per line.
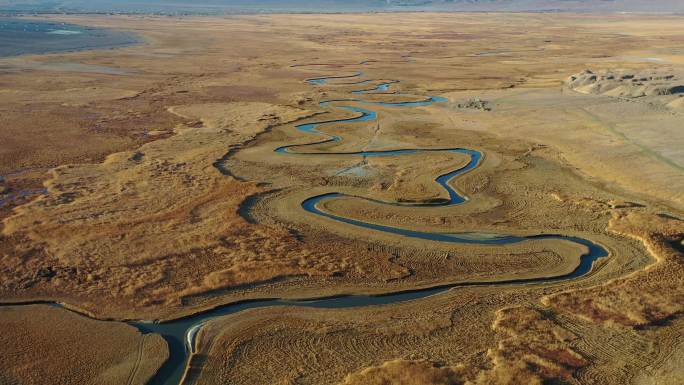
(180, 334)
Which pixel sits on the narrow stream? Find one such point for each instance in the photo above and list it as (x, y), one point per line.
(180, 334)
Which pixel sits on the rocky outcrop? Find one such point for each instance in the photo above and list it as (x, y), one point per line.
(476, 104)
(626, 84)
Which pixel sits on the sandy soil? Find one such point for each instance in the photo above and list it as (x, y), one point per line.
(48, 345)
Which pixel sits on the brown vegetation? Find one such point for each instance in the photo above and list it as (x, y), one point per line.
(652, 296)
(161, 220)
(164, 197)
(402, 372)
(47, 345)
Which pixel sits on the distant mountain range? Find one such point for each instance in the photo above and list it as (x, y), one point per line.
(255, 6)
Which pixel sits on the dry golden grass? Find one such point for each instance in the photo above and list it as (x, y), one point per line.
(531, 350)
(402, 372)
(156, 230)
(162, 220)
(646, 297)
(46, 345)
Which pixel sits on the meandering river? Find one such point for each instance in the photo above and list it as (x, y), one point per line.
(180, 334)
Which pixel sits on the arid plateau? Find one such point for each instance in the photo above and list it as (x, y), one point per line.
(346, 199)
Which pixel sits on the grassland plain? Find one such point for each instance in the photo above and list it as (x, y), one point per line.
(164, 197)
(42, 337)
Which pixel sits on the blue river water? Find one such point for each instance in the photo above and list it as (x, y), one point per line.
(28, 36)
(180, 333)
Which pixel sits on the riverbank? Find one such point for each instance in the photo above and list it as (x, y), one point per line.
(186, 207)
